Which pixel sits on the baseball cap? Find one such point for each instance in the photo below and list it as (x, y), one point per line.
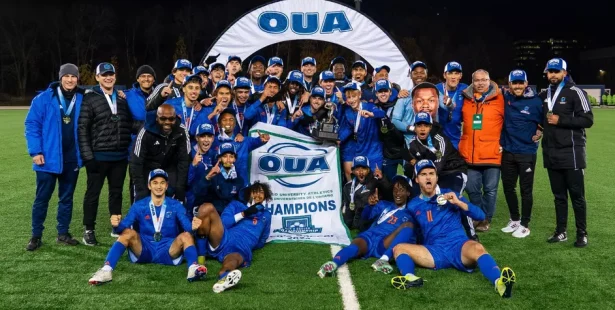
(192, 77)
(337, 60)
(199, 70)
(382, 84)
(327, 76)
(216, 65)
(273, 78)
(452, 66)
(226, 148)
(104, 67)
(422, 164)
(317, 91)
(242, 82)
(182, 64)
(257, 58)
(416, 64)
(205, 129)
(295, 76)
(275, 61)
(157, 173)
(556, 64)
(360, 161)
(224, 83)
(308, 60)
(385, 67)
(517, 75)
(352, 86)
(422, 118)
(359, 63)
(424, 85)
(233, 57)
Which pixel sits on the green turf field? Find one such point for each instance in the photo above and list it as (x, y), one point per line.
(283, 276)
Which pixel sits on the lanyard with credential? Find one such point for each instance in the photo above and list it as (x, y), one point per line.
(238, 117)
(358, 121)
(551, 101)
(112, 102)
(68, 110)
(353, 189)
(270, 114)
(157, 220)
(187, 121)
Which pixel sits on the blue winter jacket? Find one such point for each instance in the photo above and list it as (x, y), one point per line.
(451, 128)
(43, 129)
(522, 116)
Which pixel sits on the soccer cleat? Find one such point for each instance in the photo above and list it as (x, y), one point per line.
(511, 226)
(406, 282)
(383, 266)
(66, 239)
(113, 234)
(230, 280)
(89, 238)
(196, 272)
(521, 232)
(100, 277)
(483, 226)
(504, 284)
(558, 237)
(34, 244)
(581, 240)
(327, 268)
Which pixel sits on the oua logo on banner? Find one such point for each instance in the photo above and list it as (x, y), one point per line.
(304, 176)
(320, 20)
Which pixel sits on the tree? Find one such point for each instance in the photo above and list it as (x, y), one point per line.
(92, 28)
(180, 49)
(21, 44)
(190, 19)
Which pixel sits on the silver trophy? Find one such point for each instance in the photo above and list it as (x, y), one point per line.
(328, 128)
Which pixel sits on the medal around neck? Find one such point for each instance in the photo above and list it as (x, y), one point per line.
(441, 200)
(157, 236)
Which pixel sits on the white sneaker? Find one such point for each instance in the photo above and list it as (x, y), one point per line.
(512, 226)
(521, 232)
(100, 277)
(196, 272)
(113, 234)
(231, 279)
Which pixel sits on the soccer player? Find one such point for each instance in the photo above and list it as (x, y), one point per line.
(231, 237)
(160, 219)
(389, 219)
(445, 243)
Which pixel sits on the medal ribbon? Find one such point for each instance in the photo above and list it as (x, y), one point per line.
(551, 101)
(187, 121)
(112, 102)
(155, 219)
(68, 110)
(353, 189)
(358, 121)
(239, 120)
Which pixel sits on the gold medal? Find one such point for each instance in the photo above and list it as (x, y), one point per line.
(384, 129)
(66, 119)
(351, 206)
(438, 154)
(441, 200)
(549, 114)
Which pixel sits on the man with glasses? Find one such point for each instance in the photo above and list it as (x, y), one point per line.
(483, 117)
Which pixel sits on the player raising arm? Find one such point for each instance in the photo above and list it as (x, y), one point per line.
(445, 243)
(159, 241)
(232, 236)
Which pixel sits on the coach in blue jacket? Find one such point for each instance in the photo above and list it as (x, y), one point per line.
(522, 129)
(51, 135)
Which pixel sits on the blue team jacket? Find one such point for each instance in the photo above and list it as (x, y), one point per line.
(43, 129)
(198, 117)
(452, 127)
(243, 150)
(254, 230)
(368, 143)
(174, 219)
(522, 115)
(136, 101)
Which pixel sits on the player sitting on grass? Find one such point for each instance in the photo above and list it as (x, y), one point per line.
(390, 219)
(159, 241)
(232, 236)
(445, 243)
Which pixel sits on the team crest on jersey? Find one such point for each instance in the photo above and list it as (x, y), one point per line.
(234, 190)
(526, 110)
(563, 100)
(168, 215)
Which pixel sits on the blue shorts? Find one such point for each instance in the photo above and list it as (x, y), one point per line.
(155, 253)
(229, 244)
(375, 243)
(347, 150)
(448, 255)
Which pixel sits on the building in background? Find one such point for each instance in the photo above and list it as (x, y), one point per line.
(598, 66)
(532, 55)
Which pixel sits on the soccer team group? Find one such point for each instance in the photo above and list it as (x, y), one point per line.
(186, 144)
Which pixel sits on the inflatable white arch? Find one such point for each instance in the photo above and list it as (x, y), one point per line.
(321, 20)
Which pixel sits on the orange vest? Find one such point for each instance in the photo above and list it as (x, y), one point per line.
(481, 147)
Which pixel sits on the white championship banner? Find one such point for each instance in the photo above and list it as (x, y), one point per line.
(304, 176)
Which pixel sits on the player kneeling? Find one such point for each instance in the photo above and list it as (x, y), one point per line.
(232, 236)
(445, 243)
(159, 240)
(392, 225)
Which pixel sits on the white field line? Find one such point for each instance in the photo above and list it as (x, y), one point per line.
(349, 296)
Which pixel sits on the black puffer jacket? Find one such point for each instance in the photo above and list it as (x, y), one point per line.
(98, 132)
(393, 140)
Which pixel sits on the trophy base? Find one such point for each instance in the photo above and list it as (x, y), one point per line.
(324, 135)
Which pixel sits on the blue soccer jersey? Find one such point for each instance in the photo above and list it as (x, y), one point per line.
(441, 224)
(175, 219)
(387, 218)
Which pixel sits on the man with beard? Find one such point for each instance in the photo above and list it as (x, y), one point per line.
(308, 68)
(161, 144)
(522, 129)
(567, 115)
(256, 73)
(388, 220)
(449, 114)
(172, 89)
(444, 242)
(159, 240)
(294, 91)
